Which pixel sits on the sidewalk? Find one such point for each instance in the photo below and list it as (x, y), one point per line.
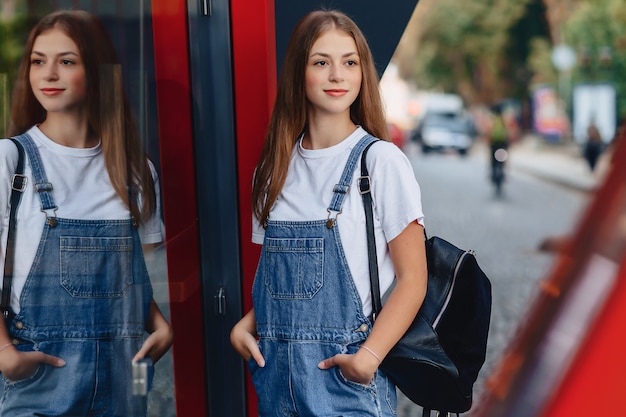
(561, 163)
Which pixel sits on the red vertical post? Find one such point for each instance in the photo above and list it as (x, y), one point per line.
(254, 61)
(171, 55)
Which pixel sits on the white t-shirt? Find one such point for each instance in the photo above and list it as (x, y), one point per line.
(396, 195)
(81, 190)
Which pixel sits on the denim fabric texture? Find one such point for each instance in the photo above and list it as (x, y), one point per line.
(85, 300)
(307, 309)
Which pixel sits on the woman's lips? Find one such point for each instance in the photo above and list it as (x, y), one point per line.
(51, 91)
(336, 93)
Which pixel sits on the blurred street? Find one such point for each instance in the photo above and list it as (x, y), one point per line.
(545, 192)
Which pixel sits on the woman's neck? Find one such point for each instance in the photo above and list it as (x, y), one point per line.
(329, 132)
(68, 131)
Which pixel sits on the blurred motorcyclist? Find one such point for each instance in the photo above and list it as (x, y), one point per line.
(499, 144)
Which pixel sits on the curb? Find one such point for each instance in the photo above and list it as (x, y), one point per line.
(561, 164)
(588, 184)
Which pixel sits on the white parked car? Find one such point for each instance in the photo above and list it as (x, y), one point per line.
(445, 131)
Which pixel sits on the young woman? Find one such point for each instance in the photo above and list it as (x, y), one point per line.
(81, 299)
(318, 351)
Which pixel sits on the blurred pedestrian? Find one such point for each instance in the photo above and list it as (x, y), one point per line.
(81, 299)
(318, 351)
(593, 146)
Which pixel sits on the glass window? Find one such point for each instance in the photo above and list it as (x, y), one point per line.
(130, 26)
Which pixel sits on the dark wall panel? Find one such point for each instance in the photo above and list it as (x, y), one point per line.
(382, 22)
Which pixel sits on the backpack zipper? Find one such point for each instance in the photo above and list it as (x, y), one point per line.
(449, 296)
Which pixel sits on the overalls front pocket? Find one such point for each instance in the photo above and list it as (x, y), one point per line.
(96, 267)
(294, 267)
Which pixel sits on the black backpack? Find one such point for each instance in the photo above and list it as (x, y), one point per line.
(436, 363)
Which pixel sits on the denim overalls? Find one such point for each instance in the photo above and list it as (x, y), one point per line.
(85, 300)
(308, 309)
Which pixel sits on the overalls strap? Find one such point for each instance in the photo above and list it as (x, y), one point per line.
(343, 187)
(41, 183)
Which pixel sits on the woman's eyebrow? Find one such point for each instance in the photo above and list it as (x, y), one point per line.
(59, 54)
(326, 55)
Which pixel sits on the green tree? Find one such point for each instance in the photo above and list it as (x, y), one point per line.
(478, 50)
(13, 35)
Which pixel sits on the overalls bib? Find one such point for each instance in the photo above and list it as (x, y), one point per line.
(308, 309)
(85, 300)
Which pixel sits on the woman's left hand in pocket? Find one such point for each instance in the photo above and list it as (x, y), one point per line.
(357, 367)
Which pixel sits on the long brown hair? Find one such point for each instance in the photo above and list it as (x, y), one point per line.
(108, 111)
(289, 116)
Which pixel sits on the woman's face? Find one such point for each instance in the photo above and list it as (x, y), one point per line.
(57, 75)
(333, 74)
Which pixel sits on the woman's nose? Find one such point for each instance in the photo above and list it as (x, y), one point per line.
(51, 73)
(336, 73)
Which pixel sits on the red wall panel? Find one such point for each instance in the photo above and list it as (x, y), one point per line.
(179, 203)
(254, 62)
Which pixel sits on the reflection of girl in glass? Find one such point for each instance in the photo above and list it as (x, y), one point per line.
(81, 299)
(318, 351)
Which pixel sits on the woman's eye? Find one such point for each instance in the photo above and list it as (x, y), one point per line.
(67, 62)
(36, 62)
(320, 63)
(351, 63)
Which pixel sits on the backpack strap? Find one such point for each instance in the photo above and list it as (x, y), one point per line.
(18, 184)
(427, 413)
(366, 193)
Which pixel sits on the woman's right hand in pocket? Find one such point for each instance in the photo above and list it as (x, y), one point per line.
(16, 365)
(243, 338)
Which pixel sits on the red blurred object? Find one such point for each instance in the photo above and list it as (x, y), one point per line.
(396, 134)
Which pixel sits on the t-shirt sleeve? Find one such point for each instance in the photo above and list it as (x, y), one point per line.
(152, 231)
(395, 190)
(258, 232)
